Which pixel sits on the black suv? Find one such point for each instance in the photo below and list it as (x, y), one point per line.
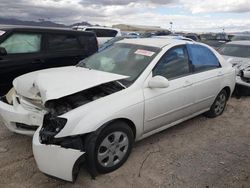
(23, 50)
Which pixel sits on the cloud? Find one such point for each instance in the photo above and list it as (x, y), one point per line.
(127, 2)
(187, 15)
(209, 6)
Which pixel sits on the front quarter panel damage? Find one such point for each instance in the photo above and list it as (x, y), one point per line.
(126, 104)
(55, 160)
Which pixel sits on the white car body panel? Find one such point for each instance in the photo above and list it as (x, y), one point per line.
(63, 159)
(144, 107)
(240, 64)
(124, 105)
(159, 112)
(59, 82)
(236, 60)
(42, 83)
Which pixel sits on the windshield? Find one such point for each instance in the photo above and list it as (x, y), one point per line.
(125, 59)
(235, 50)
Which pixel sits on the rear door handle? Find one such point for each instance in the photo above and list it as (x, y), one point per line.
(187, 83)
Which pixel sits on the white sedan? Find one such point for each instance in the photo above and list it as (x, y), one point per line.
(99, 108)
(238, 54)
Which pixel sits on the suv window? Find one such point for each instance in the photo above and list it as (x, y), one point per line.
(103, 32)
(88, 43)
(22, 43)
(202, 58)
(63, 42)
(173, 64)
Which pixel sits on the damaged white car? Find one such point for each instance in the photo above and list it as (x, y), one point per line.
(238, 54)
(97, 109)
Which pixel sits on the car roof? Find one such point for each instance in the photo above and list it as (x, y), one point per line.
(42, 29)
(240, 42)
(153, 42)
(95, 27)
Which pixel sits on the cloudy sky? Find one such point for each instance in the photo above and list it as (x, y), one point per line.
(187, 15)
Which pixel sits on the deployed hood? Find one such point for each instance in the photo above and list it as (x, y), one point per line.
(59, 82)
(240, 64)
(236, 60)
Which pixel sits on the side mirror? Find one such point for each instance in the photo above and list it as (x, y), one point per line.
(158, 82)
(3, 51)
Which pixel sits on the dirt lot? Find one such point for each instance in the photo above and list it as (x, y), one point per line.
(198, 153)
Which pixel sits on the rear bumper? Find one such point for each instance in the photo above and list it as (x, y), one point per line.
(11, 115)
(55, 160)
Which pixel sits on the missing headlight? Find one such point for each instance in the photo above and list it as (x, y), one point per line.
(51, 126)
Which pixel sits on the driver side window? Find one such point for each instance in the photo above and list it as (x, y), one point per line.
(173, 64)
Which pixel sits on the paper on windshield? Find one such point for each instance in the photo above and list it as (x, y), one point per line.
(144, 52)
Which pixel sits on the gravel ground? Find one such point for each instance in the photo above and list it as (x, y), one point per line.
(197, 153)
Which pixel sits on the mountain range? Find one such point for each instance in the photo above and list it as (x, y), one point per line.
(41, 22)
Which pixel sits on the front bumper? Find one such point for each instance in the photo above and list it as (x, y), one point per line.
(13, 115)
(239, 81)
(55, 160)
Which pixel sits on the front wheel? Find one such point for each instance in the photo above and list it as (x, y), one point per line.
(112, 147)
(218, 106)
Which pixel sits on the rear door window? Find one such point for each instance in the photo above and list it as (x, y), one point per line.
(63, 42)
(22, 43)
(202, 58)
(88, 43)
(103, 32)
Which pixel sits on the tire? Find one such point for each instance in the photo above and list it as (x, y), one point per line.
(218, 106)
(109, 149)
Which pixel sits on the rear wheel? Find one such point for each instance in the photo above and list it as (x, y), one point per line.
(218, 106)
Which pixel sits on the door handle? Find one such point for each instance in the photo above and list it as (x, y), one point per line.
(187, 83)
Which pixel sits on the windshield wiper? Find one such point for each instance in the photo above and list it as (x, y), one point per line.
(121, 84)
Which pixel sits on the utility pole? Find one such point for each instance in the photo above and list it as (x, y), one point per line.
(171, 26)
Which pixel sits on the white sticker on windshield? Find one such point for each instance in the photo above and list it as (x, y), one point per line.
(2, 32)
(144, 52)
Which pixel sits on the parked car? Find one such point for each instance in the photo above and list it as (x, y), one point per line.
(115, 39)
(241, 37)
(215, 40)
(238, 54)
(133, 34)
(192, 36)
(23, 50)
(156, 33)
(177, 37)
(103, 33)
(125, 93)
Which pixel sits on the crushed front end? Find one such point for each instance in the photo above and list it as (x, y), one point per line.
(61, 157)
(20, 114)
(56, 160)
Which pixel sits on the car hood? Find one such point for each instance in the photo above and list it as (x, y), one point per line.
(236, 60)
(240, 64)
(59, 82)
